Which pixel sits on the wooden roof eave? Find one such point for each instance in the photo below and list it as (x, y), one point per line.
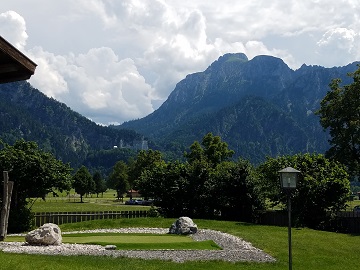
(14, 65)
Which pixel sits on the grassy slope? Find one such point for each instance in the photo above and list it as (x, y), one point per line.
(311, 249)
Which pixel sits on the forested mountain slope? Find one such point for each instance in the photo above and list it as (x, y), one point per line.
(27, 113)
(260, 107)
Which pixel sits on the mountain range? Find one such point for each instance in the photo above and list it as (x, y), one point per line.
(27, 113)
(260, 107)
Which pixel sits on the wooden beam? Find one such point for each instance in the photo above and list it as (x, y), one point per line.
(14, 65)
(6, 201)
(5, 68)
(15, 54)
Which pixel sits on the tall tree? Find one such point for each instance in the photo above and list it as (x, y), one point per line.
(323, 188)
(100, 184)
(212, 150)
(340, 113)
(118, 179)
(168, 185)
(205, 185)
(145, 160)
(35, 173)
(83, 182)
(235, 190)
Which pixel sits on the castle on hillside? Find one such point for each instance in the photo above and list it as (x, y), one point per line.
(136, 144)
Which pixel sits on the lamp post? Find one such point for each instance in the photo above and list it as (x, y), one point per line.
(288, 182)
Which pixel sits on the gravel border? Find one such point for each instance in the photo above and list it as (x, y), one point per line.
(234, 249)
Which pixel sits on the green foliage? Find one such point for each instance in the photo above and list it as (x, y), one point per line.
(145, 160)
(29, 114)
(118, 178)
(323, 188)
(167, 185)
(153, 212)
(35, 173)
(236, 190)
(205, 185)
(212, 150)
(340, 113)
(83, 182)
(100, 184)
(104, 160)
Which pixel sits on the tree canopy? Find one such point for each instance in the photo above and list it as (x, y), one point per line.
(340, 113)
(100, 184)
(35, 173)
(212, 150)
(323, 188)
(83, 182)
(205, 186)
(118, 178)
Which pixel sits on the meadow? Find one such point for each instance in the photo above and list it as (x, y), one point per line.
(312, 249)
(71, 203)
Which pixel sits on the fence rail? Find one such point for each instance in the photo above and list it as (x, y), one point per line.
(345, 222)
(349, 221)
(72, 217)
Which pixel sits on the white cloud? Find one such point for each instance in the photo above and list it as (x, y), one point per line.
(48, 75)
(342, 38)
(96, 84)
(13, 28)
(118, 60)
(339, 42)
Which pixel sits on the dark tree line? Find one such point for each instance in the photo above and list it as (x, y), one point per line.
(85, 183)
(210, 185)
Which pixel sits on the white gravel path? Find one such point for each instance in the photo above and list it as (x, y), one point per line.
(233, 248)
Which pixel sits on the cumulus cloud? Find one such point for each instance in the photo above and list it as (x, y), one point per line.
(336, 42)
(114, 61)
(96, 84)
(13, 28)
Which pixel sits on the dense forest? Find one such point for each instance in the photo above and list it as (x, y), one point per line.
(27, 113)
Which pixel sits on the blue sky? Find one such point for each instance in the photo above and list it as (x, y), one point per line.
(114, 61)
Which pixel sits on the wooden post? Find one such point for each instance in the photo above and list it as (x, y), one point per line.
(5, 209)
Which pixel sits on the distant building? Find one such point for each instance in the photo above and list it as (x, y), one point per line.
(136, 145)
(141, 145)
(133, 193)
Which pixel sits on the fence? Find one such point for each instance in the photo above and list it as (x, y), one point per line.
(349, 222)
(345, 222)
(72, 217)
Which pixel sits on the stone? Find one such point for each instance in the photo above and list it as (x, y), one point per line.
(183, 225)
(47, 235)
(110, 247)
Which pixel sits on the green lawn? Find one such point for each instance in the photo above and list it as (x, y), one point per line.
(312, 249)
(133, 241)
(87, 206)
(71, 203)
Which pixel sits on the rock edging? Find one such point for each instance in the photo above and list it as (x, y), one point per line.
(235, 249)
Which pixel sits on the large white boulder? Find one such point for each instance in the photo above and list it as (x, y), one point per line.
(48, 234)
(183, 225)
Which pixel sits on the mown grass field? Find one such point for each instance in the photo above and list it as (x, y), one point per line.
(104, 202)
(126, 241)
(312, 249)
(71, 203)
